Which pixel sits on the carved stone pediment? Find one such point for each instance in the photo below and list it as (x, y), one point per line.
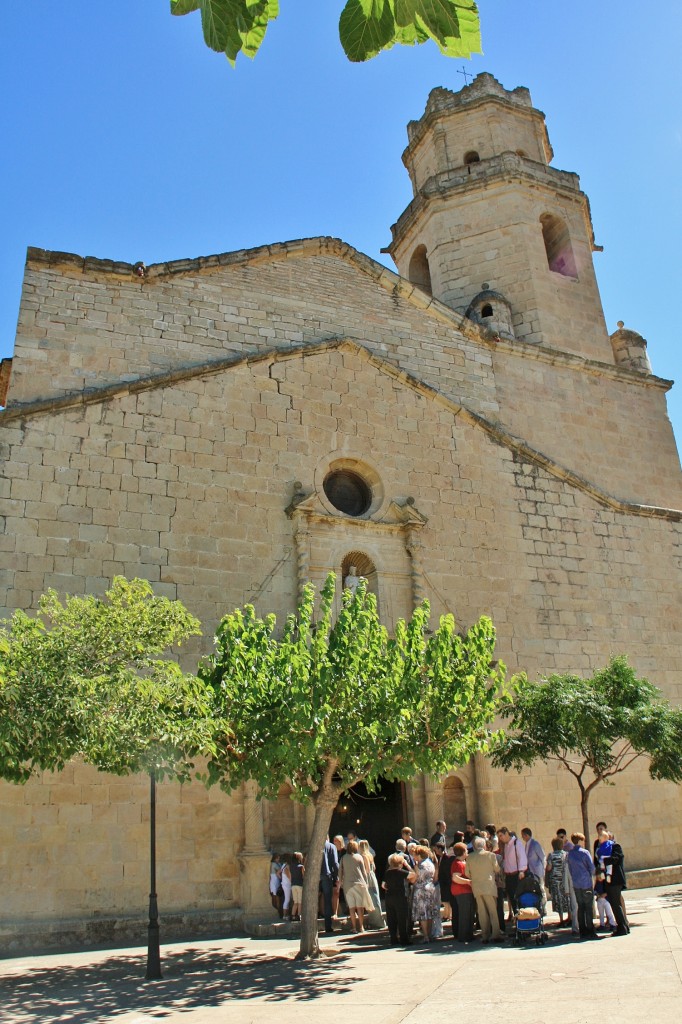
(405, 512)
(386, 538)
(398, 513)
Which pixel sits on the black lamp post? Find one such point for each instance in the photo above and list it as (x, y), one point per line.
(153, 948)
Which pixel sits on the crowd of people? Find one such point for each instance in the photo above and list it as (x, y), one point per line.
(473, 881)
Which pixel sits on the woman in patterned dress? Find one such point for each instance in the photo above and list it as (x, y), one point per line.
(556, 876)
(424, 893)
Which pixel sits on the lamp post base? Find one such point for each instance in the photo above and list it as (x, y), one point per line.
(153, 943)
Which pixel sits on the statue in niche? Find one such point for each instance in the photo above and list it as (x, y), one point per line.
(352, 580)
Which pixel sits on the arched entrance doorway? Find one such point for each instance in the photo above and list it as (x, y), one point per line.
(376, 817)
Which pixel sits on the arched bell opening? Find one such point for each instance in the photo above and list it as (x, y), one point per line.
(560, 256)
(419, 271)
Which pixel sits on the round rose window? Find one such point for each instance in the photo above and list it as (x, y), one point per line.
(347, 492)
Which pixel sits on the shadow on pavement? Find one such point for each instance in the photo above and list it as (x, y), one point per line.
(193, 978)
(664, 901)
(448, 947)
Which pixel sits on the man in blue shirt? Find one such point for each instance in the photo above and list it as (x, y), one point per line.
(535, 855)
(581, 868)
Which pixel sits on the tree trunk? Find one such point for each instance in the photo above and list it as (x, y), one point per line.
(324, 808)
(584, 798)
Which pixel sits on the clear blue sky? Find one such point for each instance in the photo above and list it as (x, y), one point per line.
(125, 138)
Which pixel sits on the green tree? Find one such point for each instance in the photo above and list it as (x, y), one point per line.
(334, 702)
(594, 728)
(366, 27)
(86, 679)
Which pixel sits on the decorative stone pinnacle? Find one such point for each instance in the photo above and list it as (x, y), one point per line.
(621, 324)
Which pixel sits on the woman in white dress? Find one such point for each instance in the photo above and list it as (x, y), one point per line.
(276, 883)
(372, 883)
(286, 886)
(353, 881)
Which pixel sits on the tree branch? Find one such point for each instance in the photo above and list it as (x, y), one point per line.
(332, 765)
(595, 782)
(621, 755)
(567, 765)
(622, 767)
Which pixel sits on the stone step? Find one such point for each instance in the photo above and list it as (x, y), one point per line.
(646, 878)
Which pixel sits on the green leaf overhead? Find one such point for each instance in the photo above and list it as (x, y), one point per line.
(231, 26)
(369, 26)
(253, 36)
(366, 27)
(184, 6)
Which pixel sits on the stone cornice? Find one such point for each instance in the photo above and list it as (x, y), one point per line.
(396, 519)
(506, 168)
(594, 367)
(497, 433)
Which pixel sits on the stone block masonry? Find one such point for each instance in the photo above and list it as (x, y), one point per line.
(179, 422)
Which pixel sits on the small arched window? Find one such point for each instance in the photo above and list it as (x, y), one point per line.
(454, 799)
(419, 272)
(471, 157)
(487, 310)
(560, 257)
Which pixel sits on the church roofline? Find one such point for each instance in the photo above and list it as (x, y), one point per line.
(317, 245)
(387, 279)
(495, 431)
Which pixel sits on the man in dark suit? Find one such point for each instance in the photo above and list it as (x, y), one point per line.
(611, 867)
(329, 879)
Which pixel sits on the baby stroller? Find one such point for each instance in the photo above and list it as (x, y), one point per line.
(528, 919)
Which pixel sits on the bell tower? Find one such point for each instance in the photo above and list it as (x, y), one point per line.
(493, 228)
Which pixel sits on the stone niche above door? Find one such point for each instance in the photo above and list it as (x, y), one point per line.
(347, 519)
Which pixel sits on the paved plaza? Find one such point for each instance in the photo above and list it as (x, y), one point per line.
(251, 981)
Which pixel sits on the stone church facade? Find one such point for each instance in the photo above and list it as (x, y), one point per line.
(232, 426)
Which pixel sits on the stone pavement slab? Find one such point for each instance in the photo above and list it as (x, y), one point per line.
(253, 981)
